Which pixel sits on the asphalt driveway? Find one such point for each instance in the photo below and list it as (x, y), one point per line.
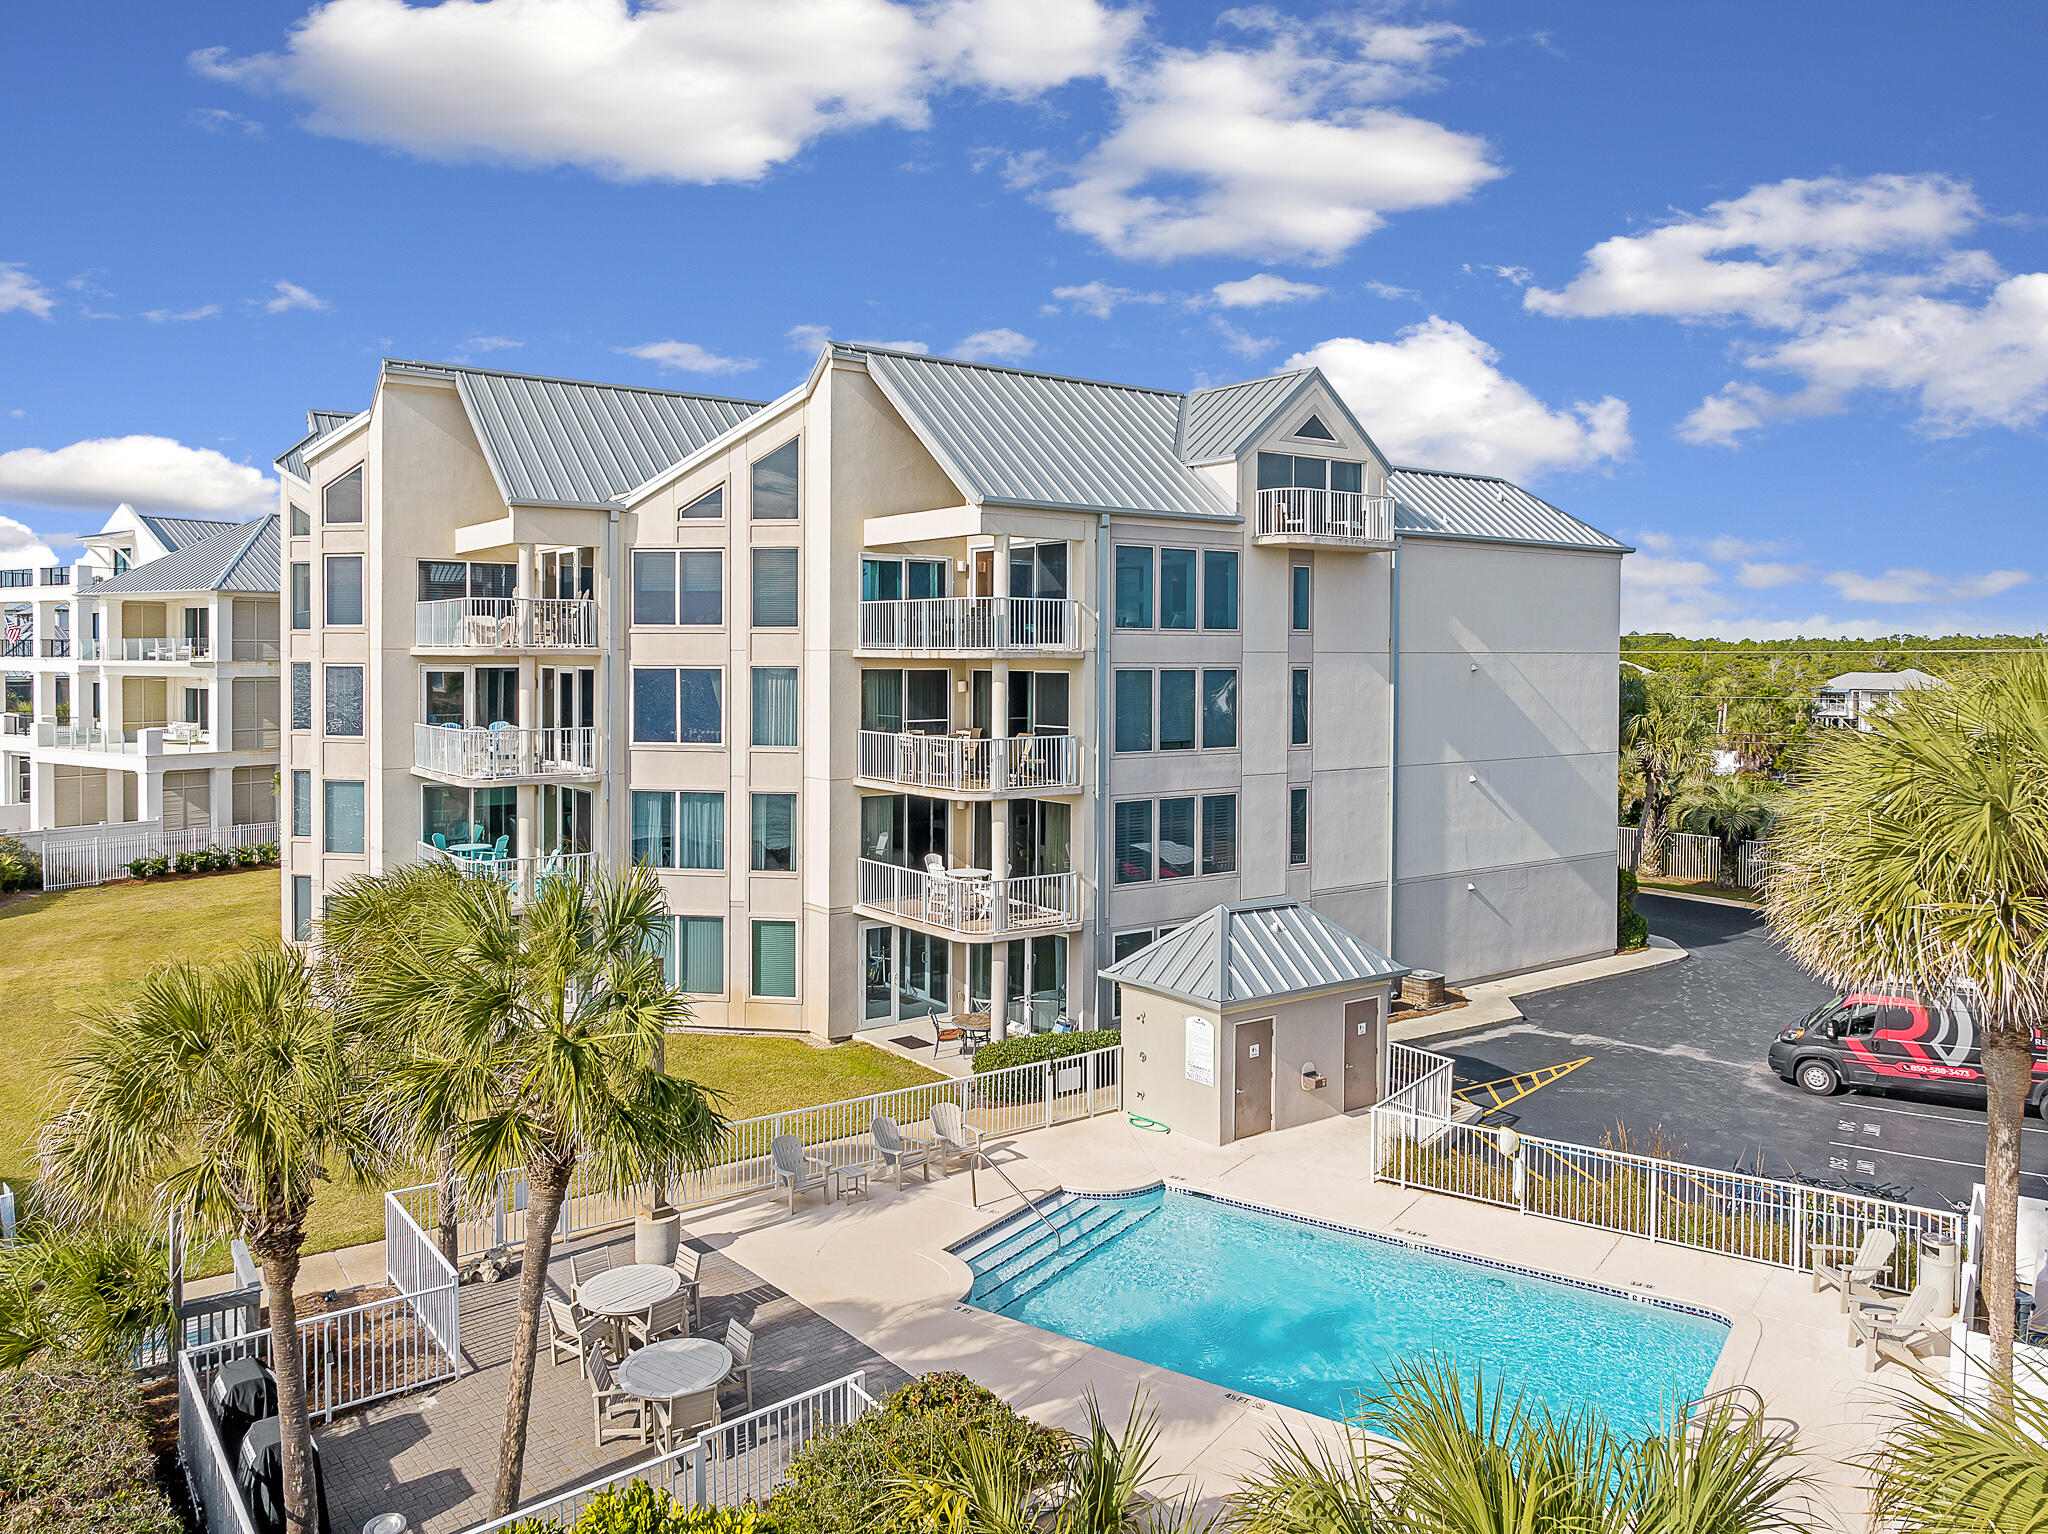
(1681, 1048)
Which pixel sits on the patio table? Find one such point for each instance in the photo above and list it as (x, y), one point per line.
(624, 1291)
(471, 849)
(665, 1371)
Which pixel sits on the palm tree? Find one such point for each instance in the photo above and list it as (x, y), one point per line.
(1949, 1466)
(539, 1028)
(1662, 746)
(91, 1293)
(1918, 853)
(1730, 807)
(224, 1095)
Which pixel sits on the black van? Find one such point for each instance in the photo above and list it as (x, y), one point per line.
(1884, 1037)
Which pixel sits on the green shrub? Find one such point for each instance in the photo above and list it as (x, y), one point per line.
(836, 1483)
(641, 1508)
(255, 855)
(20, 869)
(218, 859)
(73, 1456)
(1033, 1047)
(155, 866)
(1632, 927)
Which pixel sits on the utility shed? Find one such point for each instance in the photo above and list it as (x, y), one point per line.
(1255, 1016)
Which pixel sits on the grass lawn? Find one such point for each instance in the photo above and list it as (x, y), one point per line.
(767, 1075)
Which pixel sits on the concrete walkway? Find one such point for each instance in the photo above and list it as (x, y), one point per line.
(1493, 1001)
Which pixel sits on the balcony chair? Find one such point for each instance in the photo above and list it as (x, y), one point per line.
(587, 1265)
(664, 1318)
(689, 1266)
(440, 840)
(573, 1334)
(938, 890)
(686, 1416)
(502, 850)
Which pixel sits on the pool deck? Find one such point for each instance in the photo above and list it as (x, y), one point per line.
(880, 1271)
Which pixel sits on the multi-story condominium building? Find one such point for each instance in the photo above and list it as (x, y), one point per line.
(930, 682)
(1856, 699)
(143, 680)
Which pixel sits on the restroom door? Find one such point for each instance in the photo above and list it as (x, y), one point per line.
(1254, 1078)
(1361, 1053)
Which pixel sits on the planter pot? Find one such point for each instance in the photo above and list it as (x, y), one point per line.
(656, 1238)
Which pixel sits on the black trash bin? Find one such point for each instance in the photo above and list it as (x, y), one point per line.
(242, 1394)
(259, 1476)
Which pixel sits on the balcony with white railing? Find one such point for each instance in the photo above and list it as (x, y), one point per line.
(176, 651)
(967, 903)
(506, 623)
(148, 740)
(524, 877)
(972, 626)
(1341, 519)
(12, 723)
(957, 765)
(504, 752)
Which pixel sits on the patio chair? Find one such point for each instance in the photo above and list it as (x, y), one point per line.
(570, 1333)
(664, 1318)
(1898, 1329)
(608, 1403)
(938, 890)
(958, 1140)
(739, 1341)
(440, 841)
(1867, 1259)
(900, 1151)
(686, 1416)
(587, 1265)
(503, 849)
(689, 1266)
(801, 1172)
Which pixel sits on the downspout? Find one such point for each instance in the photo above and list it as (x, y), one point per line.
(1393, 733)
(1102, 757)
(620, 730)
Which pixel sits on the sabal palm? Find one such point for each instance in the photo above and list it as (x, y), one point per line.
(1732, 808)
(1664, 746)
(538, 1032)
(225, 1095)
(1918, 853)
(90, 1292)
(1949, 1466)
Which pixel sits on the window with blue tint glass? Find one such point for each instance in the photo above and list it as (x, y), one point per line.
(1176, 711)
(345, 590)
(708, 507)
(302, 596)
(881, 580)
(775, 959)
(1134, 841)
(775, 486)
(1134, 711)
(654, 587)
(345, 700)
(1300, 611)
(697, 955)
(1219, 588)
(1347, 476)
(1133, 588)
(1297, 734)
(342, 804)
(302, 695)
(1314, 429)
(700, 707)
(302, 803)
(302, 525)
(654, 703)
(774, 838)
(700, 589)
(1297, 825)
(1219, 710)
(1176, 588)
(1219, 833)
(1312, 473)
(775, 706)
(700, 830)
(302, 908)
(654, 829)
(1176, 838)
(1276, 471)
(775, 588)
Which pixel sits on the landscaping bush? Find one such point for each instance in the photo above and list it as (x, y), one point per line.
(73, 1457)
(20, 869)
(218, 859)
(256, 855)
(836, 1484)
(1632, 927)
(1033, 1047)
(155, 866)
(639, 1508)
(188, 862)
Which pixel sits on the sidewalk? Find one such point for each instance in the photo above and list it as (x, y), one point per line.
(1493, 1001)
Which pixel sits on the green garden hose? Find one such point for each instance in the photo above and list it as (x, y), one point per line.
(1139, 1121)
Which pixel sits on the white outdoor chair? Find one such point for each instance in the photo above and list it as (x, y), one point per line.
(569, 1333)
(609, 1404)
(689, 1266)
(791, 1166)
(584, 1266)
(899, 1151)
(664, 1318)
(1868, 1259)
(739, 1341)
(959, 1141)
(686, 1416)
(1898, 1329)
(938, 890)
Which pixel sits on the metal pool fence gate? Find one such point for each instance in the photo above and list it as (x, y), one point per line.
(1005, 1102)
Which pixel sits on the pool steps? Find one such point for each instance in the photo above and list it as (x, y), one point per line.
(1016, 1255)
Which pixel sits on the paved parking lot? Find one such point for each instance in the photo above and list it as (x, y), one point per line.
(1682, 1047)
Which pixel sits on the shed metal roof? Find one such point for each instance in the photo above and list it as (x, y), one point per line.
(243, 556)
(1451, 505)
(1254, 951)
(318, 424)
(564, 442)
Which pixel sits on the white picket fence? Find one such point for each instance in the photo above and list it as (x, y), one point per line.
(76, 856)
(1693, 859)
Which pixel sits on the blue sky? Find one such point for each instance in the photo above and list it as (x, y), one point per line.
(1760, 287)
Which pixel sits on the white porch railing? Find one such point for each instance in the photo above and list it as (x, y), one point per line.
(1418, 1079)
(506, 752)
(971, 625)
(971, 907)
(525, 876)
(737, 1462)
(17, 724)
(146, 649)
(1006, 1102)
(1325, 516)
(506, 623)
(84, 737)
(77, 856)
(208, 1475)
(1759, 1219)
(954, 764)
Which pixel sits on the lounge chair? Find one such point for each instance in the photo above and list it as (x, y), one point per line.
(608, 1403)
(689, 1266)
(802, 1173)
(1867, 1260)
(570, 1333)
(664, 1318)
(1897, 1329)
(959, 1141)
(900, 1151)
(739, 1341)
(686, 1416)
(587, 1265)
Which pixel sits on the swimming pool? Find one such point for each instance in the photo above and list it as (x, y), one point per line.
(1311, 1316)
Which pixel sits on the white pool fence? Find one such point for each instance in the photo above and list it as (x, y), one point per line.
(77, 856)
(1692, 859)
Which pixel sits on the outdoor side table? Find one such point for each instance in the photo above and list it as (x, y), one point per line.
(852, 1178)
(629, 1290)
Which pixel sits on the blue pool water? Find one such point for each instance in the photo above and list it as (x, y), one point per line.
(1311, 1317)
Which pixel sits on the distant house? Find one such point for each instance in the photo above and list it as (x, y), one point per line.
(1854, 700)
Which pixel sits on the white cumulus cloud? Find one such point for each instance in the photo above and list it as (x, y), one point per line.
(1263, 288)
(687, 357)
(999, 345)
(1921, 586)
(18, 290)
(1435, 396)
(1765, 575)
(156, 473)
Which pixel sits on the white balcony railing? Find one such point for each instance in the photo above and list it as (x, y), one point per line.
(1325, 516)
(149, 739)
(146, 650)
(954, 764)
(505, 752)
(972, 907)
(524, 877)
(17, 724)
(971, 625)
(85, 737)
(507, 623)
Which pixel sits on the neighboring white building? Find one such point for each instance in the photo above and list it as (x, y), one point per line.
(142, 681)
(1853, 700)
(1102, 657)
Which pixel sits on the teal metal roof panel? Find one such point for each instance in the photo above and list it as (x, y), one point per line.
(1435, 502)
(1254, 951)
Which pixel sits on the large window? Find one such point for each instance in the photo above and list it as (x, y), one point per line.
(1281, 471)
(1219, 710)
(1134, 842)
(302, 595)
(1300, 605)
(654, 587)
(1176, 711)
(1134, 711)
(302, 695)
(774, 959)
(681, 586)
(1133, 588)
(302, 803)
(344, 700)
(343, 820)
(254, 791)
(1219, 833)
(913, 702)
(344, 590)
(1219, 588)
(446, 692)
(775, 588)
(684, 707)
(654, 829)
(775, 706)
(188, 801)
(456, 817)
(679, 830)
(1176, 588)
(252, 703)
(695, 961)
(1297, 729)
(1297, 825)
(774, 835)
(1177, 838)
(775, 484)
(1195, 836)
(1183, 709)
(445, 580)
(342, 501)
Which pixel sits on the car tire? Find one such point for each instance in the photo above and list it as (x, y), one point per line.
(2037, 1103)
(1818, 1077)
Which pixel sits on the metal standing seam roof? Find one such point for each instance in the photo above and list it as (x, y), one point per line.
(319, 423)
(562, 442)
(176, 533)
(1254, 951)
(1216, 423)
(1452, 505)
(1033, 439)
(242, 557)
(1879, 681)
